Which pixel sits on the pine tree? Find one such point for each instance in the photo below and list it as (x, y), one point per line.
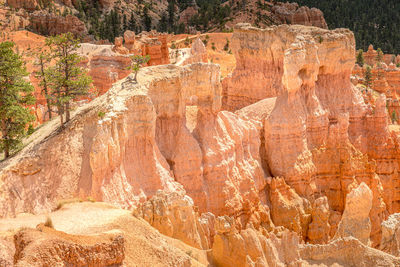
(379, 56)
(42, 61)
(146, 19)
(137, 62)
(132, 24)
(67, 79)
(163, 24)
(360, 58)
(394, 116)
(125, 23)
(368, 77)
(15, 94)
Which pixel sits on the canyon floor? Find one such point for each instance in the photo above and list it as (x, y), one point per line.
(268, 153)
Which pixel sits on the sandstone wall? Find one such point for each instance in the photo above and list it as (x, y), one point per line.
(132, 141)
(320, 136)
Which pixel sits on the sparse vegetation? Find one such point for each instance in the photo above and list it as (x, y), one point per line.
(101, 114)
(42, 61)
(15, 95)
(137, 62)
(66, 78)
(379, 56)
(226, 46)
(394, 117)
(368, 77)
(187, 41)
(360, 58)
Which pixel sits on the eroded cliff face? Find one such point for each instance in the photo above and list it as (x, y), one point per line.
(250, 186)
(133, 141)
(321, 136)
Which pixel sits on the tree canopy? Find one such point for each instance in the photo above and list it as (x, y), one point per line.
(15, 94)
(373, 22)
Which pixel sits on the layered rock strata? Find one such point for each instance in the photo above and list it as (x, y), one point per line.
(47, 247)
(133, 141)
(320, 136)
(282, 171)
(292, 13)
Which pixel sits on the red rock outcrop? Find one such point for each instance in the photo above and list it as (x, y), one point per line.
(118, 46)
(390, 242)
(105, 67)
(282, 171)
(291, 13)
(156, 47)
(25, 4)
(129, 38)
(370, 57)
(52, 24)
(13, 21)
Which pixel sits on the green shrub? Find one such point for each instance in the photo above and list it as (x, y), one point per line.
(101, 114)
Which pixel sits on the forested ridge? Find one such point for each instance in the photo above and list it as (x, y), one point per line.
(373, 22)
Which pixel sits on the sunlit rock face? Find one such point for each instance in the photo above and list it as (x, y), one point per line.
(133, 140)
(321, 136)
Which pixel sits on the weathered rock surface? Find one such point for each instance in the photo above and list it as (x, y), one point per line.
(141, 145)
(47, 247)
(249, 247)
(25, 4)
(346, 251)
(292, 13)
(129, 38)
(156, 47)
(355, 220)
(51, 24)
(253, 185)
(319, 139)
(198, 53)
(174, 215)
(390, 242)
(99, 228)
(105, 67)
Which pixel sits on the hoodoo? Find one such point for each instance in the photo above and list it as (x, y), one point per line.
(283, 162)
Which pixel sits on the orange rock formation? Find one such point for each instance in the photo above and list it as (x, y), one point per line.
(303, 159)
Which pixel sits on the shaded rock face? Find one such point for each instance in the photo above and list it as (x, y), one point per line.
(47, 247)
(291, 13)
(156, 47)
(52, 24)
(26, 4)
